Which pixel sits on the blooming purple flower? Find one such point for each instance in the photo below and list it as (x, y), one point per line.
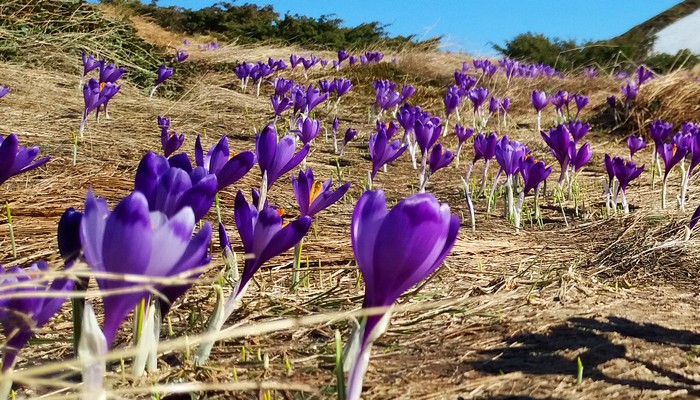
(580, 158)
(313, 196)
(181, 56)
(494, 105)
(509, 155)
(168, 189)
(282, 86)
(660, 131)
(485, 146)
(464, 81)
(219, 161)
(16, 159)
(68, 236)
(463, 133)
(581, 102)
(671, 154)
(394, 251)
(89, 64)
(635, 144)
(539, 100)
(294, 60)
(110, 73)
(382, 152)
(643, 75)
(352, 60)
(264, 236)
(350, 134)
(439, 159)
(27, 303)
(277, 158)
(406, 92)
(163, 74)
(451, 99)
(308, 129)
(342, 86)
(280, 104)
(130, 240)
(578, 129)
(625, 172)
(533, 173)
(478, 96)
(427, 131)
(629, 91)
(342, 56)
(558, 140)
(170, 141)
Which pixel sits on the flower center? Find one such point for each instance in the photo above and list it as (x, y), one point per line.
(315, 191)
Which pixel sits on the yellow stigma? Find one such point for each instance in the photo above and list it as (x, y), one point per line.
(315, 191)
(675, 148)
(280, 211)
(102, 85)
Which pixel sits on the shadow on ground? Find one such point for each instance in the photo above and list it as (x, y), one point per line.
(541, 353)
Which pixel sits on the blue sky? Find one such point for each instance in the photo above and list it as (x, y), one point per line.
(473, 25)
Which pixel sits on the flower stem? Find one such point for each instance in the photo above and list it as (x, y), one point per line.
(296, 264)
(663, 193)
(12, 230)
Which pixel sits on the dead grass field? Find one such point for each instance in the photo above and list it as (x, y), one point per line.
(505, 318)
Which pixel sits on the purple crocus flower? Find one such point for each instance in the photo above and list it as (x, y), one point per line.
(643, 75)
(16, 159)
(611, 100)
(89, 64)
(635, 144)
(264, 236)
(27, 303)
(485, 146)
(280, 104)
(494, 105)
(342, 56)
(581, 101)
(294, 60)
(660, 131)
(382, 152)
(181, 56)
(342, 86)
(539, 100)
(407, 118)
(451, 99)
(276, 158)
(308, 129)
(478, 96)
(427, 131)
(352, 60)
(314, 98)
(462, 135)
(350, 134)
(671, 154)
(169, 189)
(131, 240)
(68, 236)
(110, 73)
(326, 86)
(439, 159)
(558, 140)
(625, 172)
(464, 81)
(578, 129)
(170, 141)
(533, 173)
(4, 90)
(578, 159)
(560, 100)
(313, 196)
(629, 91)
(394, 251)
(406, 92)
(282, 86)
(509, 155)
(228, 168)
(162, 75)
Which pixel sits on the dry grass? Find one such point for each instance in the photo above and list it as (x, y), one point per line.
(506, 316)
(672, 98)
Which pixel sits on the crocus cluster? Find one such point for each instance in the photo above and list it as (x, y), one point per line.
(97, 93)
(620, 173)
(386, 96)
(563, 143)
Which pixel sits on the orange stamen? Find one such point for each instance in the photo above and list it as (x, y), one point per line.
(315, 191)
